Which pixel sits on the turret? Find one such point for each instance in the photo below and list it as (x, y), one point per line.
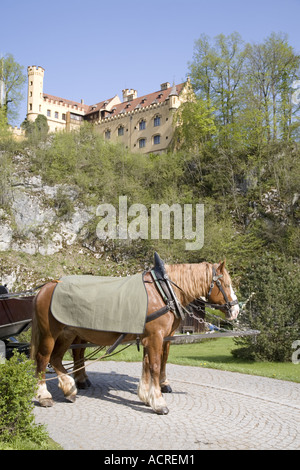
(35, 91)
(173, 98)
(129, 95)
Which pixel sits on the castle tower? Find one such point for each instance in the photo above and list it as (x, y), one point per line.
(35, 91)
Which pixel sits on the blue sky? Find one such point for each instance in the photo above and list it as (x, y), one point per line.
(92, 49)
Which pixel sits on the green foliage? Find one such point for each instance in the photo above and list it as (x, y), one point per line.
(248, 86)
(13, 77)
(194, 123)
(271, 284)
(63, 205)
(36, 131)
(3, 123)
(18, 386)
(5, 175)
(104, 171)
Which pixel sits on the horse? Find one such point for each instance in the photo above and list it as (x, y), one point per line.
(51, 339)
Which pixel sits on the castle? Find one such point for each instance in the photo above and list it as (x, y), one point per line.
(143, 124)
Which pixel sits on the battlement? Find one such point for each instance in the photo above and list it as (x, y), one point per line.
(35, 70)
(78, 107)
(17, 132)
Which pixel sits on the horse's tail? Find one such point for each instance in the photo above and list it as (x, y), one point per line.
(35, 332)
(38, 308)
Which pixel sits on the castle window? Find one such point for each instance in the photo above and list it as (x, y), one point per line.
(75, 117)
(107, 134)
(142, 143)
(56, 115)
(121, 130)
(30, 107)
(63, 116)
(142, 125)
(48, 113)
(157, 121)
(156, 139)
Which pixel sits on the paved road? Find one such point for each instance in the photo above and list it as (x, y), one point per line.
(209, 409)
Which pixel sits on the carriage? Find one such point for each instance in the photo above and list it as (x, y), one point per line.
(15, 318)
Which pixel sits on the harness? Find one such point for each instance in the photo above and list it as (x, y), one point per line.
(228, 304)
(164, 287)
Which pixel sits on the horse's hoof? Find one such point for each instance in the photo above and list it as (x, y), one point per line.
(71, 398)
(83, 385)
(46, 402)
(163, 411)
(166, 389)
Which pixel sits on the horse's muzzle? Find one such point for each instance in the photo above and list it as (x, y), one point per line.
(233, 312)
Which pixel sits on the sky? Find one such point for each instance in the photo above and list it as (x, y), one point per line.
(92, 49)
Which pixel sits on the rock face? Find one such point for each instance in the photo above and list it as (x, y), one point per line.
(30, 221)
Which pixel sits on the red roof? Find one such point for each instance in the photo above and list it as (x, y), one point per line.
(124, 107)
(66, 102)
(97, 106)
(146, 100)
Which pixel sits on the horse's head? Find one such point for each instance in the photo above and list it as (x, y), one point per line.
(221, 292)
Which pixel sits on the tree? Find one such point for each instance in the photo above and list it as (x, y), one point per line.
(271, 68)
(271, 286)
(249, 87)
(36, 130)
(12, 80)
(216, 73)
(194, 124)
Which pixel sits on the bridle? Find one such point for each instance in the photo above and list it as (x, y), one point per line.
(228, 303)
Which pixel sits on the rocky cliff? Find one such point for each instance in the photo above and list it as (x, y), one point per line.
(30, 222)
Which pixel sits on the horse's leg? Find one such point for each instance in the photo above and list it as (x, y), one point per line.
(80, 376)
(65, 382)
(42, 360)
(43, 333)
(145, 381)
(164, 383)
(153, 356)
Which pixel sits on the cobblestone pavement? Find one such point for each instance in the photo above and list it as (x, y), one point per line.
(209, 409)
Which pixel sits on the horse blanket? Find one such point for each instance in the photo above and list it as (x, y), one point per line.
(101, 303)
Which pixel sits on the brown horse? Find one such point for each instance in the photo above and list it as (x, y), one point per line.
(51, 339)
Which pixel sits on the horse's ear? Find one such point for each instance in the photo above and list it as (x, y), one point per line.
(222, 266)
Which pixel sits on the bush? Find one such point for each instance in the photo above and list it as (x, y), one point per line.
(18, 386)
(272, 284)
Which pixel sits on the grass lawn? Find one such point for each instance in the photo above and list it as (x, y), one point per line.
(23, 444)
(216, 354)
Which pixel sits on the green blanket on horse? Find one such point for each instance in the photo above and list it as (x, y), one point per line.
(101, 303)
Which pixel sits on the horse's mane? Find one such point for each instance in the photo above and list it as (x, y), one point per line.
(193, 279)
